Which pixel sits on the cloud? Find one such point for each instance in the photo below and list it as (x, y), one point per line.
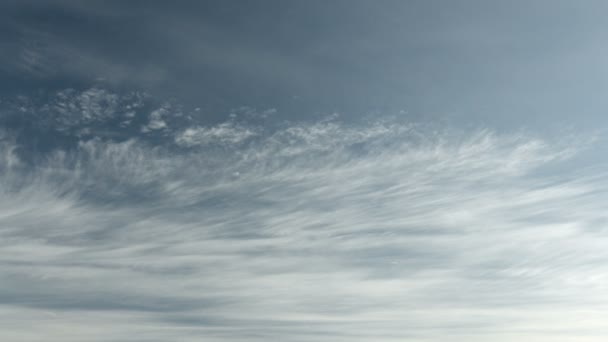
(156, 121)
(224, 133)
(76, 112)
(318, 231)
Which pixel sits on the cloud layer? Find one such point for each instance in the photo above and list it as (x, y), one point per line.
(326, 231)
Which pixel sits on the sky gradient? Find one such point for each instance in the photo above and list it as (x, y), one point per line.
(303, 171)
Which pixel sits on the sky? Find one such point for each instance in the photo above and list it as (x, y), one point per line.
(337, 170)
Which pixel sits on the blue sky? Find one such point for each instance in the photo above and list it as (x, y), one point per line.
(302, 171)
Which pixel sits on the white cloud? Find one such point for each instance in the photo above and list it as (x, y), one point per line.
(75, 112)
(156, 120)
(224, 133)
(384, 232)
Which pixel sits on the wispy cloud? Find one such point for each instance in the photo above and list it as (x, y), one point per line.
(319, 231)
(225, 133)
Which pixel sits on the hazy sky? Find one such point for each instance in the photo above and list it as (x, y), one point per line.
(280, 170)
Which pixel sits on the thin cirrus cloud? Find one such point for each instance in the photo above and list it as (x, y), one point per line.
(323, 230)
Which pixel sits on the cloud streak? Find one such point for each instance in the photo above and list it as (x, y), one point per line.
(312, 231)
